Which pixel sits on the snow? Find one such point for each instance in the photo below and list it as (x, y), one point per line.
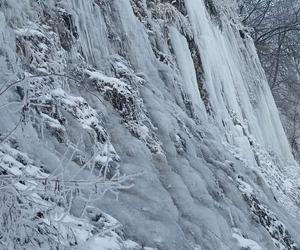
(109, 82)
(28, 32)
(105, 243)
(80, 109)
(200, 170)
(94, 231)
(246, 243)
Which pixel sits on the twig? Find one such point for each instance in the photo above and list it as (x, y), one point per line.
(12, 131)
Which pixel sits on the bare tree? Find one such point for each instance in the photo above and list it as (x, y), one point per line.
(275, 28)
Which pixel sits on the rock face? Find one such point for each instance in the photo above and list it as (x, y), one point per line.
(170, 94)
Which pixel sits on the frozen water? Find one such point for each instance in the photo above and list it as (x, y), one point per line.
(204, 141)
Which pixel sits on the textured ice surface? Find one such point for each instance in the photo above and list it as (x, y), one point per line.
(182, 103)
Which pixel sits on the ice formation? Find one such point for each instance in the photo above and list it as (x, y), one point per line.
(163, 102)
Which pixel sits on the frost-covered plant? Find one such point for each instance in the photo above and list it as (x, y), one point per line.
(171, 15)
(226, 8)
(22, 221)
(49, 197)
(35, 205)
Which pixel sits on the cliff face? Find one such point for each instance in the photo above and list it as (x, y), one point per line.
(166, 97)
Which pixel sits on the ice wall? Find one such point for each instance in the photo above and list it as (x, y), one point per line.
(236, 81)
(183, 102)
